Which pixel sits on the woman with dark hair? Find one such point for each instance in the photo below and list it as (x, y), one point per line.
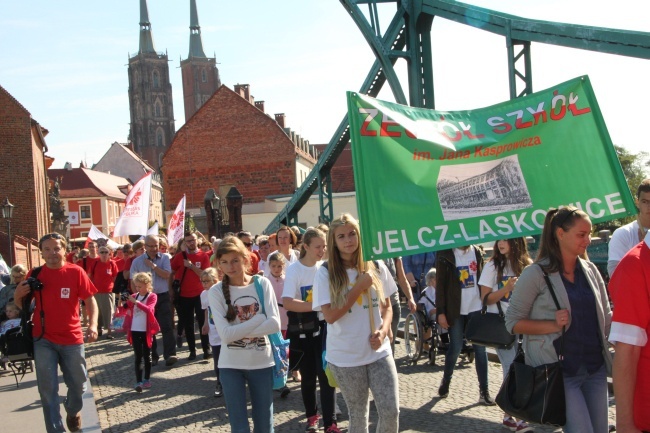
(246, 359)
(497, 283)
(354, 296)
(287, 240)
(578, 329)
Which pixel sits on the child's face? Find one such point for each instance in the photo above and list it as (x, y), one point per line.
(142, 288)
(276, 268)
(207, 282)
(232, 264)
(12, 313)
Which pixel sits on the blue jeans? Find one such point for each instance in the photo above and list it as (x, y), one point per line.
(456, 338)
(586, 402)
(47, 357)
(260, 386)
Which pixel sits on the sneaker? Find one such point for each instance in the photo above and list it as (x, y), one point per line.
(179, 341)
(73, 422)
(485, 399)
(138, 387)
(443, 390)
(510, 423)
(192, 356)
(522, 427)
(312, 423)
(218, 391)
(332, 429)
(146, 384)
(171, 361)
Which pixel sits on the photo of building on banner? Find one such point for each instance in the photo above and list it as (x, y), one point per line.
(463, 177)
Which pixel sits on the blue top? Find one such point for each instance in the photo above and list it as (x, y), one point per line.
(419, 265)
(160, 285)
(582, 344)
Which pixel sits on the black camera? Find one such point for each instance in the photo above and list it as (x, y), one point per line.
(34, 284)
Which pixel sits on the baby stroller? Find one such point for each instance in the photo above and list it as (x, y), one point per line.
(416, 327)
(17, 351)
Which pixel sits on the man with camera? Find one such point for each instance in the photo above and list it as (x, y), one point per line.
(158, 265)
(58, 337)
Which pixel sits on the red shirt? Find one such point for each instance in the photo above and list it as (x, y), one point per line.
(255, 262)
(191, 285)
(60, 303)
(68, 258)
(89, 264)
(104, 276)
(120, 263)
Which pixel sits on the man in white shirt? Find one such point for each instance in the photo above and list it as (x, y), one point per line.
(626, 237)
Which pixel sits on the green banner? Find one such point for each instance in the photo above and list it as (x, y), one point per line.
(428, 180)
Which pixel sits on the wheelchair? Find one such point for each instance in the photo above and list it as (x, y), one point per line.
(416, 326)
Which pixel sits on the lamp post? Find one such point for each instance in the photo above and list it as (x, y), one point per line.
(216, 214)
(7, 213)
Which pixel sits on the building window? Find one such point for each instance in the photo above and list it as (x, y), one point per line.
(159, 138)
(156, 80)
(204, 77)
(85, 212)
(158, 109)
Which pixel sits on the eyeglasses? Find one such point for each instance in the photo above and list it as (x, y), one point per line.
(103, 252)
(248, 244)
(206, 281)
(151, 246)
(51, 236)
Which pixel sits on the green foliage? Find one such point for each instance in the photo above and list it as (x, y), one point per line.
(189, 223)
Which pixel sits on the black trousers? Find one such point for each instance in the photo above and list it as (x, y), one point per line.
(164, 317)
(189, 309)
(308, 352)
(141, 351)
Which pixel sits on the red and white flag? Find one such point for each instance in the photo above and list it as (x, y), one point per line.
(135, 216)
(176, 225)
(95, 234)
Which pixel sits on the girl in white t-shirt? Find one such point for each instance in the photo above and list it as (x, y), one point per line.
(354, 298)
(497, 282)
(246, 358)
(307, 340)
(209, 278)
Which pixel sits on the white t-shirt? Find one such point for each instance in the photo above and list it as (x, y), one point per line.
(622, 241)
(348, 343)
(293, 256)
(263, 266)
(299, 282)
(244, 344)
(489, 279)
(213, 335)
(139, 322)
(428, 299)
(466, 265)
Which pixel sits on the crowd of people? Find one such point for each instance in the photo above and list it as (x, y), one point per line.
(340, 314)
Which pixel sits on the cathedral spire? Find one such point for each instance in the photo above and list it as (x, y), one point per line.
(146, 38)
(196, 45)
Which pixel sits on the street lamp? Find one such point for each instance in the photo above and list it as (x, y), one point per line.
(7, 213)
(215, 201)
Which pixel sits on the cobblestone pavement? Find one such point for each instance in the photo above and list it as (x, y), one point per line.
(181, 398)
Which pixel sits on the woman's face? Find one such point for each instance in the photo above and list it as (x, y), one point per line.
(18, 277)
(284, 240)
(316, 248)
(265, 250)
(232, 264)
(347, 240)
(575, 241)
(276, 268)
(504, 247)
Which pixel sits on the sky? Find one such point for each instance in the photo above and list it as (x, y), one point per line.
(66, 62)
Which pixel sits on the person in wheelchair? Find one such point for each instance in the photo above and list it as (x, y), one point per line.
(13, 318)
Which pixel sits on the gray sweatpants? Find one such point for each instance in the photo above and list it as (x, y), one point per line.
(380, 377)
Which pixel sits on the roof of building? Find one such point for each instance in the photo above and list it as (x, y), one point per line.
(124, 147)
(14, 100)
(84, 182)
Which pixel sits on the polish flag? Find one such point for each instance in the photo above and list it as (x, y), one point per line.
(135, 216)
(176, 226)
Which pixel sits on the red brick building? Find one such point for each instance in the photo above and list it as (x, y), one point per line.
(342, 173)
(228, 142)
(23, 178)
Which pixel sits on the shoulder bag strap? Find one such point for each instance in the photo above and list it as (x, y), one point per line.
(557, 305)
(260, 292)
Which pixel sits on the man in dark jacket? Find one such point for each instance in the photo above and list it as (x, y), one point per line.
(457, 299)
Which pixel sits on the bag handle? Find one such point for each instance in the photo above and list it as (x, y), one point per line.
(557, 305)
(484, 309)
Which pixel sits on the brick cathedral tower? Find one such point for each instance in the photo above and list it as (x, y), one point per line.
(150, 97)
(200, 73)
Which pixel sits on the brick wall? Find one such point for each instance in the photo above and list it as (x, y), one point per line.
(228, 142)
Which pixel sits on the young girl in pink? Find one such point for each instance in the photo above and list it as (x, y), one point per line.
(141, 325)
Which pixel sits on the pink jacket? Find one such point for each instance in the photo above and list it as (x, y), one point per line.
(148, 307)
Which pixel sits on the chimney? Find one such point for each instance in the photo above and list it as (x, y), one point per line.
(244, 91)
(260, 105)
(280, 118)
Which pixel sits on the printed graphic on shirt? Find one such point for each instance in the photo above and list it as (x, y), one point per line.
(247, 307)
(306, 293)
(502, 283)
(467, 276)
(65, 293)
(210, 318)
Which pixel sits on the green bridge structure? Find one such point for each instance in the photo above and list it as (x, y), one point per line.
(408, 37)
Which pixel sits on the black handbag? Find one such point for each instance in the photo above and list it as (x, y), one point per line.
(489, 329)
(302, 323)
(535, 394)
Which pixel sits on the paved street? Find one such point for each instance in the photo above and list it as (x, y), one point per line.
(181, 398)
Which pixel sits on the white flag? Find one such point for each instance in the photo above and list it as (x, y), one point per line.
(153, 230)
(95, 234)
(135, 216)
(176, 226)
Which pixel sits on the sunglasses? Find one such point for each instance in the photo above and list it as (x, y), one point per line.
(103, 252)
(248, 244)
(51, 236)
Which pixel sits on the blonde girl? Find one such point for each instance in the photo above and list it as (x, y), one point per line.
(209, 278)
(141, 325)
(354, 298)
(246, 357)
